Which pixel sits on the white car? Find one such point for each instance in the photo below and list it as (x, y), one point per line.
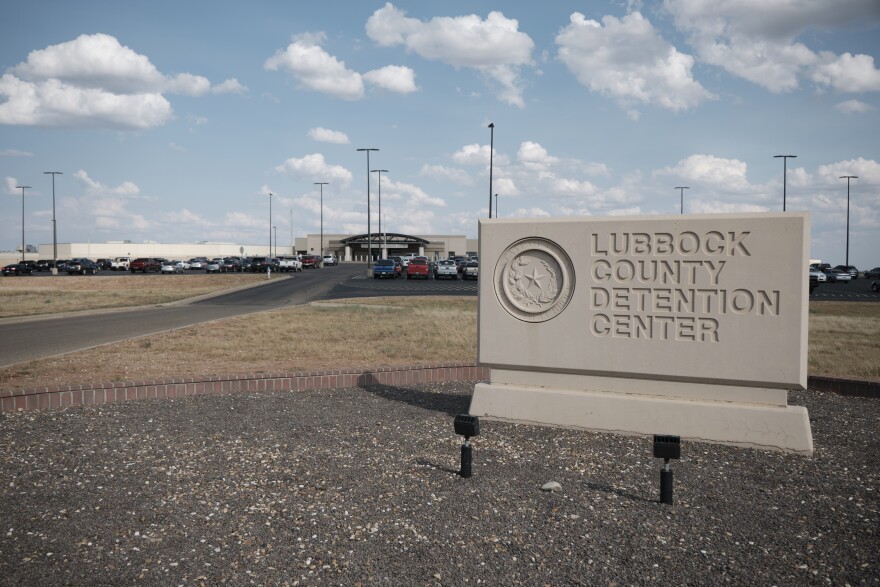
(329, 260)
(445, 268)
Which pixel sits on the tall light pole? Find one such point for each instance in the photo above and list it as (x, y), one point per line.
(681, 189)
(491, 157)
(322, 184)
(270, 224)
(496, 206)
(380, 172)
(369, 229)
(847, 178)
(292, 248)
(785, 159)
(23, 187)
(54, 229)
(275, 230)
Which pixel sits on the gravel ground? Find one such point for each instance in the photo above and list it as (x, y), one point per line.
(358, 486)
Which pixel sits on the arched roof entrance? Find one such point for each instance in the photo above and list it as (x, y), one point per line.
(383, 245)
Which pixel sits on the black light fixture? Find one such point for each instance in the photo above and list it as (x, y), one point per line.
(467, 426)
(666, 447)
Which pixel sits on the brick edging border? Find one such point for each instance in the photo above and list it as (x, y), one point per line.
(851, 387)
(42, 398)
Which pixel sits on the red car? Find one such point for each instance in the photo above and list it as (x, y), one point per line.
(417, 268)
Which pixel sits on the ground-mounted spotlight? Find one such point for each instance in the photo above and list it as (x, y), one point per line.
(666, 447)
(467, 426)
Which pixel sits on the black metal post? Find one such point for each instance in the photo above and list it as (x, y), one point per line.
(491, 159)
(847, 177)
(466, 459)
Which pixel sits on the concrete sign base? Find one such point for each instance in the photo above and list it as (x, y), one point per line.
(753, 425)
(692, 325)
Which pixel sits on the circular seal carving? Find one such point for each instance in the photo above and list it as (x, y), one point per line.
(534, 279)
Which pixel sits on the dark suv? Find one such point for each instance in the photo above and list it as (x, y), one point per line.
(261, 264)
(82, 266)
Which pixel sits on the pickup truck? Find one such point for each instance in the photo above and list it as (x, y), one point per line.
(290, 264)
(120, 264)
(385, 268)
(145, 264)
(311, 262)
(417, 267)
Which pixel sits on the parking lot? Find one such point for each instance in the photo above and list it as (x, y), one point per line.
(857, 290)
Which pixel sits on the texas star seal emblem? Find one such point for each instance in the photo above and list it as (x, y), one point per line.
(534, 279)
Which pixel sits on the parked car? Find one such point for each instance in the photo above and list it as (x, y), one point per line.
(329, 260)
(61, 264)
(471, 270)
(263, 264)
(232, 265)
(872, 273)
(417, 267)
(145, 265)
(837, 276)
(197, 263)
(172, 267)
(445, 268)
(44, 265)
(311, 262)
(853, 272)
(104, 263)
(17, 269)
(120, 264)
(290, 263)
(384, 268)
(816, 278)
(82, 266)
(875, 286)
(215, 266)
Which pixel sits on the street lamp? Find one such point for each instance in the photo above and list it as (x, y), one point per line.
(681, 189)
(270, 224)
(496, 205)
(275, 230)
(380, 172)
(54, 230)
(491, 156)
(22, 187)
(785, 159)
(847, 178)
(369, 229)
(322, 184)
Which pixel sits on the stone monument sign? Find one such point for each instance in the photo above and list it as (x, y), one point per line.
(689, 325)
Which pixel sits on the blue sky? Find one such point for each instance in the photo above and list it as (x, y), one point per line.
(172, 121)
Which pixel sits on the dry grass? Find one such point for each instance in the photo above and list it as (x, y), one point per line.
(373, 332)
(845, 340)
(362, 333)
(31, 296)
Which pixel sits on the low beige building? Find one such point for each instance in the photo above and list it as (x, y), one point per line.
(346, 247)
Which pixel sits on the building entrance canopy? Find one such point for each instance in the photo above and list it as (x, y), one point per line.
(383, 245)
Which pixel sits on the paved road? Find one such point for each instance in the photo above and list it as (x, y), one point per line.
(857, 290)
(28, 340)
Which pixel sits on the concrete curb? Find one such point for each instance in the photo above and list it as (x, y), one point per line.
(41, 398)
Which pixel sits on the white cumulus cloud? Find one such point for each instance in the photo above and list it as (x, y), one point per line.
(854, 107)
(314, 167)
(493, 46)
(628, 60)
(93, 80)
(324, 135)
(394, 78)
(758, 41)
(316, 69)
